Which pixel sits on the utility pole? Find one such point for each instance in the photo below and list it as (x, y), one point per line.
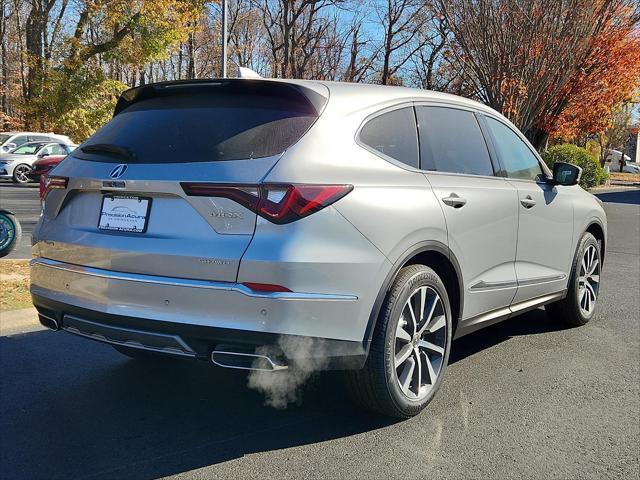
(224, 39)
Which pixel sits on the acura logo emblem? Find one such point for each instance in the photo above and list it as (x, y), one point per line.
(118, 171)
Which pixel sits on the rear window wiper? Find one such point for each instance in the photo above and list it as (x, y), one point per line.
(109, 148)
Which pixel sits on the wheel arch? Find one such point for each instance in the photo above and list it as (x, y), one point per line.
(596, 229)
(435, 255)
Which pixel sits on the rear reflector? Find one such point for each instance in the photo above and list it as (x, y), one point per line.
(265, 287)
(278, 203)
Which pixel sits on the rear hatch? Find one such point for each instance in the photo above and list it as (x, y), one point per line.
(124, 207)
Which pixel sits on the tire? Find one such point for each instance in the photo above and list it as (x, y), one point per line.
(583, 289)
(21, 173)
(10, 232)
(377, 387)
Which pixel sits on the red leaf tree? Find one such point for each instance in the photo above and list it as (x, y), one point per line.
(609, 76)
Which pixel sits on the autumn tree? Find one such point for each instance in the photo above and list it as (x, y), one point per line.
(523, 57)
(74, 92)
(596, 94)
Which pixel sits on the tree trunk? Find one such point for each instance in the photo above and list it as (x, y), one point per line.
(34, 31)
(5, 72)
(191, 57)
(537, 137)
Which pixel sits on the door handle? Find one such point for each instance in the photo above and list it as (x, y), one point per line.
(454, 201)
(528, 202)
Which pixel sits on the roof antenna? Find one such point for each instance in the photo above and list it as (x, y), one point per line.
(244, 72)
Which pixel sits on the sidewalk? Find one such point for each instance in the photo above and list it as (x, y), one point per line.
(24, 320)
(614, 187)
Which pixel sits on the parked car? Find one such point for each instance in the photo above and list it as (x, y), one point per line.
(614, 156)
(631, 167)
(10, 232)
(16, 165)
(628, 167)
(354, 226)
(11, 140)
(41, 168)
(43, 165)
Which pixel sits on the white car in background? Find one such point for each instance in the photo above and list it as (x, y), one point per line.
(614, 156)
(612, 160)
(16, 165)
(12, 140)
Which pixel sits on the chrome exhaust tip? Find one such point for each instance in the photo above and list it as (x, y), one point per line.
(49, 322)
(246, 361)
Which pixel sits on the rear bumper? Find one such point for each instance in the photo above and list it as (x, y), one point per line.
(185, 340)
(202, 313)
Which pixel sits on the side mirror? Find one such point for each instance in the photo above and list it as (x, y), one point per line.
(43, 154)
(566, 174)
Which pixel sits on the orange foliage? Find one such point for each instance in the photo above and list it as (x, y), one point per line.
(610, 75)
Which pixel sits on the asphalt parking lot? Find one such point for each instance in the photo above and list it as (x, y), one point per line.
(527, 398)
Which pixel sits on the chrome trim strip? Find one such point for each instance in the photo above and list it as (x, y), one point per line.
(535, 281)
(482, 285)
(51, 319)
(274, 366)
(137, 346)
(185, 282)
(186, 351)
(472, 324)
(487, 316)
(536, 302)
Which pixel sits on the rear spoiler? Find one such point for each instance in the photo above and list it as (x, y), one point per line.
(226, 86)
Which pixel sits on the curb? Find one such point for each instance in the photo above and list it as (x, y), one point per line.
(19, 321)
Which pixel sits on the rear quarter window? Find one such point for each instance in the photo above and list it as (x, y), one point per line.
(204, 128)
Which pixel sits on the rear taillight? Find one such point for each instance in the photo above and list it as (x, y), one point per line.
(53, 183)
(278, 203)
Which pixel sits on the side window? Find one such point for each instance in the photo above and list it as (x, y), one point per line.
(20, 140)
(39, 138)
(58, 149)
(394, 134)
(46, 150)
(451, 141)
(518, 160)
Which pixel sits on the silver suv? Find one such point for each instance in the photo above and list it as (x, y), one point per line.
(258, 223)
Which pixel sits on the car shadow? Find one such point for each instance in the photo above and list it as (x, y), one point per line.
(534, 322)
(624, 196)
(74, 408)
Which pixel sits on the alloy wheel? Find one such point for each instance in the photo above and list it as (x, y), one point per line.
(21, 173)
(420, 343)
(589, 280)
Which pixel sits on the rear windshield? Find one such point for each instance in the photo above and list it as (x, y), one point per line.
(202, 128)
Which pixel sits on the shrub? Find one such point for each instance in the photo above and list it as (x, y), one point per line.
(592, 173)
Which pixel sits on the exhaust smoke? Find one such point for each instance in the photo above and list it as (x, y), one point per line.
(307, 356)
